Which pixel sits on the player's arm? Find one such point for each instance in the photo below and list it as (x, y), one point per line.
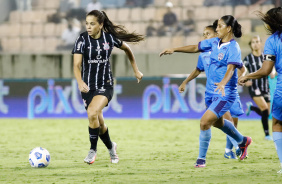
(131, 58)
(192, 76)
(265, 70)
(77, 60)
(242, 71)
(229, 73)
(186, 49)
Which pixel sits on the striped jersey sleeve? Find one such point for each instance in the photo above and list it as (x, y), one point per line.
(79, 45)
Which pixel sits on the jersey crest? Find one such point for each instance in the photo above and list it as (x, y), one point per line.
(220, 56)
(106, 46)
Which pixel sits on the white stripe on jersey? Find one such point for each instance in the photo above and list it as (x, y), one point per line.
(83, 45)
(254, 63)
(96, 82)
(105, 64)
(89, 63)
(250, 67)
(262, 80)
(109, 63)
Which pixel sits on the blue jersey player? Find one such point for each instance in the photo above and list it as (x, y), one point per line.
(236, 109)
(273, 56)
(224, 59)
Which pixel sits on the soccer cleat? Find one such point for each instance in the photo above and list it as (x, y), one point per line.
(243, 147)
(230, 155)
(200, 163)
(248, 111)
(90, 158)
(113, 153)
(268, 138)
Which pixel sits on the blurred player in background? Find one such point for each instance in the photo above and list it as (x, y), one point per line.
(225, 58)
(258, 88)
(203, 65)
(93, 73)
(272, 57)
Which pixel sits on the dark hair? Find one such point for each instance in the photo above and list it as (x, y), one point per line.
(213, 26)
(229, 20)
(273, 18)
(118, 31)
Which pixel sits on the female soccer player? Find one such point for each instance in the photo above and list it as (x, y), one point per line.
(259, 88)
(225, 58)
(236, 109)
(272, 56)
(93, 73)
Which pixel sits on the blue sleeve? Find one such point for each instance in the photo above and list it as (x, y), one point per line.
(234, 56)
(205, 45)
(79, 45)
(200, 65)
(268, 47)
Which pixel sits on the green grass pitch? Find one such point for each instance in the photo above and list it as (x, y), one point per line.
(150, 151)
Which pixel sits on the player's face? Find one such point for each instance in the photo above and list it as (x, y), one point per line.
(209, 33)
(222, 29)
(256, 44)
(92, 26)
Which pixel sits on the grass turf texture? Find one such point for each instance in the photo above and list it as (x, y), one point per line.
(150, 151)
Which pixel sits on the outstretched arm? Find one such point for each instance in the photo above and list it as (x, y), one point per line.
(229, 73)
(77, 60)
(186, 49)
(131, 58)
(192, 76)
(262, 72)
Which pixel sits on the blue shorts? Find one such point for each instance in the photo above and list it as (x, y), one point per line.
(277, 106)
(236, 109)
(218, 104)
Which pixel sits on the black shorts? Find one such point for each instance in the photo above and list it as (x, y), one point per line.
(258, 93)
(87, 97)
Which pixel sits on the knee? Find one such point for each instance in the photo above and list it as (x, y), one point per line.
(204, 125)
(93, 114)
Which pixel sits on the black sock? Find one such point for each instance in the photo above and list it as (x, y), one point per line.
(256, 109)
(93, 136)
(106, 139)
(264, 120)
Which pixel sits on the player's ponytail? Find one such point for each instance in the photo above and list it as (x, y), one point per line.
(229, 20)
(272, 20)
(118, 31)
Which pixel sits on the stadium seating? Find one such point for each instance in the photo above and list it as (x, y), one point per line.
(32, 26)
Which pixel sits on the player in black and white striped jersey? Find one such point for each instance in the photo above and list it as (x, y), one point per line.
(258, 88)
(92, 70)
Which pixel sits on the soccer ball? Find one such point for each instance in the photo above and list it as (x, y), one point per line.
(39, 157)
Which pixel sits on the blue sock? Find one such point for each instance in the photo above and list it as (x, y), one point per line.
(232, 141)
(229, 144)
(231, 130)
(277, 138)
(204, 139)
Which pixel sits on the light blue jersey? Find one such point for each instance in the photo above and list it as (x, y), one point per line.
(221, 56)
(273, 47)
(203, 65)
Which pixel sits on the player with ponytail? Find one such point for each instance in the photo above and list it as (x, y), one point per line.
(224, 59)
(92, 70)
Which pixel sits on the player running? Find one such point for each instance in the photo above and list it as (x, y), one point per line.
(93, 73)
(272, 57)
(225, 58)
(236, 109)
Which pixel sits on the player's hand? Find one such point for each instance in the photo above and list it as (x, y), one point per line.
(248, 83)
(166, 51)
(242, 80)
(83, 87)
(220, 88)
(139, 76)
(181, 88)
